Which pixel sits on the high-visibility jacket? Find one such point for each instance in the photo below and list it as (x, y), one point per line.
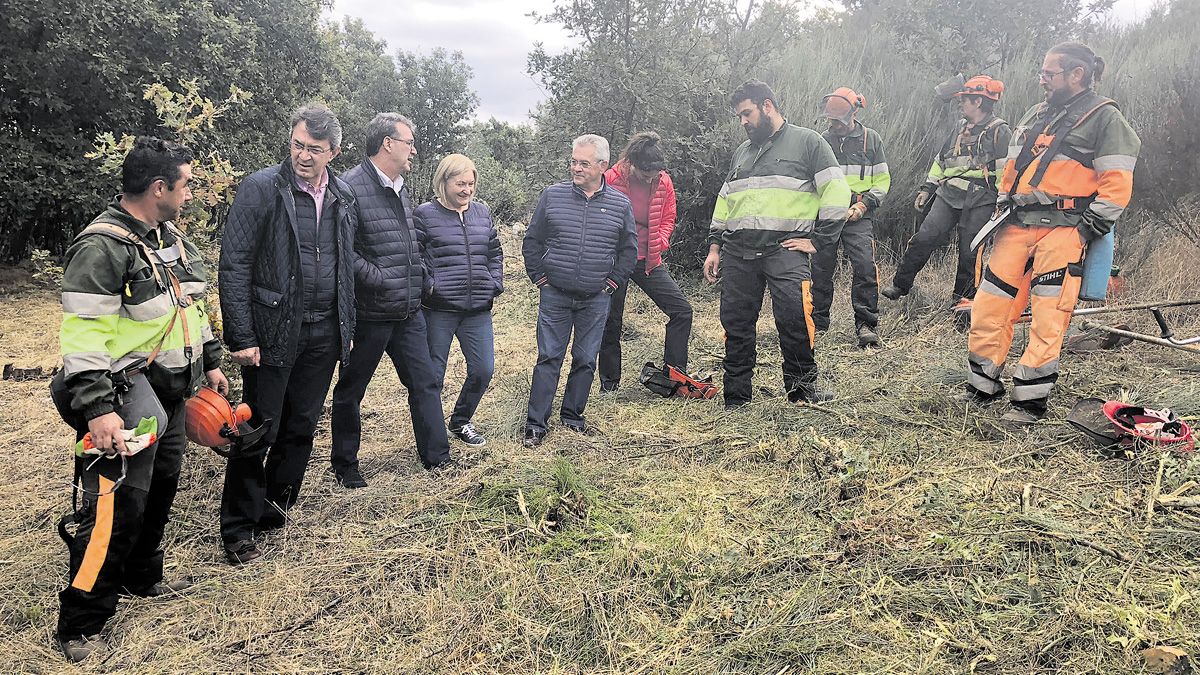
(1091, 170)
(862, 158)
(790, 186)
(118, 304)
(969, 163)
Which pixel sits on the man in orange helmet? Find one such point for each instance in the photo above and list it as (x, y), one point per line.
(962, 187)
(859, 150)
(1068, 177)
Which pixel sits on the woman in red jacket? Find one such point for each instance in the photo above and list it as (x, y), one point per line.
(640, 175)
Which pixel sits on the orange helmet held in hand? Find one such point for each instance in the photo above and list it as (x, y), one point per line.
(212, 421)
(982, 85)
(842, 105)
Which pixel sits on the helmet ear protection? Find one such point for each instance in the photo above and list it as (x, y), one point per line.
(212, 421)
(842, 105)
(981, 85)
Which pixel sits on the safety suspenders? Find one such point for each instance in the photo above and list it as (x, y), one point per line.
(119, 232)
(1059, 126)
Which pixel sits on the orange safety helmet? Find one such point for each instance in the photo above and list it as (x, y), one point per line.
(212, 421)
(842, 105)
(982, 85)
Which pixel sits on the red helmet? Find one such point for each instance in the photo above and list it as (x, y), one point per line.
(211, 420)
(842, 105)
(1161, 427)
(982, 85)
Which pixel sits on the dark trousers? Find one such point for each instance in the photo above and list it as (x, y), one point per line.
(786, 275)
(558, 316)
(477, 342)
(934, 232)
(407, 344)
(117, 543)
(858, 243)
(662, 289)
(262, 483)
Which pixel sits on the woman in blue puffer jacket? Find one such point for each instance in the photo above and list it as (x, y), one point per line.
(463, 254)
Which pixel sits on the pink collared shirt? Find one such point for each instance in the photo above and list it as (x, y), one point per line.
(318, 192)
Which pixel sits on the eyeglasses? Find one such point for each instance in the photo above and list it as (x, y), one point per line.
(585, 165)
(410, 142)
(310, 149)
(1049, 74)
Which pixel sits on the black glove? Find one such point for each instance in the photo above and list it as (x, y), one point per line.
(1092, 226)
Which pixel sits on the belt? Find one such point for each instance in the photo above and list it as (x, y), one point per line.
(1067, 204)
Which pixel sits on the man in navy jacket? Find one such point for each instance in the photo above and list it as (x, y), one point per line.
(389, 279)
(581, 246)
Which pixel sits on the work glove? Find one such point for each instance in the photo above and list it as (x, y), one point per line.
(1092, 226)
(856, 211)
(921, 200)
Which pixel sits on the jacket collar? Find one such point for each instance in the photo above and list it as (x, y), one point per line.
(579, 191)
(334, 187)
(118, 213)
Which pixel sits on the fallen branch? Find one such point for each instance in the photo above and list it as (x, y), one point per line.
(288, 630)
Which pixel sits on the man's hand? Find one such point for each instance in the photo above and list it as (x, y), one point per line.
(921, 201)
(106, 433)
(856, 211)
(802, 245)
(246, 357)
(711, 263)
(218, 381)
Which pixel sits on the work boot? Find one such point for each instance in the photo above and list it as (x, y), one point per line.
(893, 292)
(350, 478)
(867, 337)
(80, 648)
(973, 395)
(242, 551)
(582, 428)
(450, 466)
(810, 393)
(160, 589)
(533, 437)
(467, 434)
(1021, 417)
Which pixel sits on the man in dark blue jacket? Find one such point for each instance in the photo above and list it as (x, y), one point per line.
(581, 246)
(287, 301)
(390, 277)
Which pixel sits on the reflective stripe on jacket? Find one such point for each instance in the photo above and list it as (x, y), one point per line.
(971, 155)
(116, 308)
(1095, 162)
(790, 186)
(863, 161)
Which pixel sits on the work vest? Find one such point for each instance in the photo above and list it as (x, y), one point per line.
(1065, 160)
(154, 306)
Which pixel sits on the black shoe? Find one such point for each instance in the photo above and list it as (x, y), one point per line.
(242, 551)
(446, 467)
(160, 589)
(78, 649)
(867, 337)
(810, 393)
(467, 434)
(893, 292)
(350, 478)
(973, 395)
(580, 428)
(533, 437)
(609, 387)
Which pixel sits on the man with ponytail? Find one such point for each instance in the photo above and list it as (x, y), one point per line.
(1068, 177)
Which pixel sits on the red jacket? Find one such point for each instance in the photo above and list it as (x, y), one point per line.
(662, 211)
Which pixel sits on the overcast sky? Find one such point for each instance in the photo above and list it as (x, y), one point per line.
(496, 36)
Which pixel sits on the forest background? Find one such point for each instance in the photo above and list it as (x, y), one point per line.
(224, 75)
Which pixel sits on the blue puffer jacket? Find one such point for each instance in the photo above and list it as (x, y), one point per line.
(463, 256)
(388, 269)
(580, 245)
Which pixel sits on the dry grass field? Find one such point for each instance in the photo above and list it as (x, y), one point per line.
(890, 530)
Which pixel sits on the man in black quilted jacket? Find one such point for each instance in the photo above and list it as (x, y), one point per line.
(390, 277)
(287, 304)
(581, 246)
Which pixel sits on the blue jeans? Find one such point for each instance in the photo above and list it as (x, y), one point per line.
(477, 342)
(558, 315)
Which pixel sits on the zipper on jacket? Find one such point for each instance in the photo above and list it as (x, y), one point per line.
(462, 216)
(582, 236)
